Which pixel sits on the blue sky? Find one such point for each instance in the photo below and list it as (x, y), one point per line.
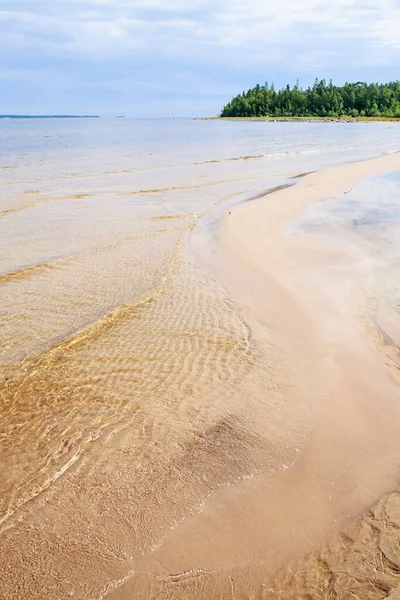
(184, 58)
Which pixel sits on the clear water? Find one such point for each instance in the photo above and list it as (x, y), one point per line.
(120, 352)
(367, 220)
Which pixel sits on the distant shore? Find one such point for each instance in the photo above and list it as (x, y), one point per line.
(49, 117)
(306, 119)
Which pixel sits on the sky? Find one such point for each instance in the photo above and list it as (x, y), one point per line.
(171, 58)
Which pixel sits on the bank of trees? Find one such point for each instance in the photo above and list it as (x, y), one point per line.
(321, 100)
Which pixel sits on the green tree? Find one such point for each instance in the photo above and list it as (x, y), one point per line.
(320, 100)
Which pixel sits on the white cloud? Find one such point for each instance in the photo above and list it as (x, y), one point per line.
(304, 38)
(90, 26)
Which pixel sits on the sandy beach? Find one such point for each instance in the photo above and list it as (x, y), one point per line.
(326, 524)
(200, 393)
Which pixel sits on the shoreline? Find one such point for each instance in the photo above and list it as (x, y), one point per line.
(350, 460)
(305, 119)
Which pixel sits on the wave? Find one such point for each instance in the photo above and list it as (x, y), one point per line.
(31, 270)
(256, 157)
(42, 200)
(24, 272)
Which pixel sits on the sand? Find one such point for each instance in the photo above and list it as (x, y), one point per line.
(307, 530)
(247, 453)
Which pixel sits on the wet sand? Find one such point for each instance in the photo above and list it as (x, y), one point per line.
(192, 422)
(305, 530)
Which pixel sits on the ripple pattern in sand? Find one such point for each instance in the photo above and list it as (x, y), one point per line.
(156, 367)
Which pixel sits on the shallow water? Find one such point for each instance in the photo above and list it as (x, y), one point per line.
(367, 220)
(123, 358)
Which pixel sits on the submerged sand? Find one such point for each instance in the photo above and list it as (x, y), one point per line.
(308, 530)
(263, 459)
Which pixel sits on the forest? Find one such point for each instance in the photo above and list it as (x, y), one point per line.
(321, 100)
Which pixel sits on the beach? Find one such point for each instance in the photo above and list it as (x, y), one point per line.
(205, 402)
(350, 463)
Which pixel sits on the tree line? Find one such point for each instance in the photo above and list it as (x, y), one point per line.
(321, 100)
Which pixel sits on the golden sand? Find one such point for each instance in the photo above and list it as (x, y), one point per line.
(307, 530)
(172, 445)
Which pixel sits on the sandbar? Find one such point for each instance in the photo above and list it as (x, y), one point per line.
(288, 532)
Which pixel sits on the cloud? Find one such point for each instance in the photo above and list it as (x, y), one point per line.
(177, 44)
(101, 26)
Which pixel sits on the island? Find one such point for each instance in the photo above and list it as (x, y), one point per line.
(322, 101)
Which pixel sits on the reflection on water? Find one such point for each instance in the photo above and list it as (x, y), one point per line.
(368, 219)
(373, 205)
(121, 357)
